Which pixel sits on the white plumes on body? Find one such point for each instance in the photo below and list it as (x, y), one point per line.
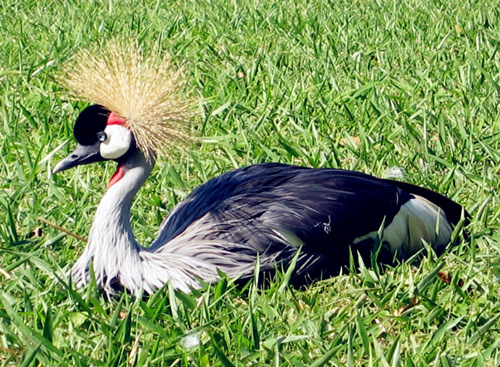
(418, 221)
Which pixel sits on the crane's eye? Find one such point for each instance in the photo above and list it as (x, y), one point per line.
(101, 136)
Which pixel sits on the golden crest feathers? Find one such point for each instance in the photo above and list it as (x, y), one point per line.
(145, 89)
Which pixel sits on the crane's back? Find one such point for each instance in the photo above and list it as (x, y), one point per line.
(272, 210)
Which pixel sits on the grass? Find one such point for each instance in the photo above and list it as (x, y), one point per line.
(364, 85)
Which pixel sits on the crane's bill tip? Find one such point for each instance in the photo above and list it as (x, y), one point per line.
(58, 168)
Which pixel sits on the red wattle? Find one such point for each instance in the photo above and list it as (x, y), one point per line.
(114, 119)
(120, 171)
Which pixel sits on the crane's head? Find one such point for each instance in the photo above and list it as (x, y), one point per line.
(140, 104)
(101, 134)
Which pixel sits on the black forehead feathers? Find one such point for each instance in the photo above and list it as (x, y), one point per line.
(90, 121)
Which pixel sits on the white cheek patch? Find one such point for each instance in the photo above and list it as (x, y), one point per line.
(117, 142)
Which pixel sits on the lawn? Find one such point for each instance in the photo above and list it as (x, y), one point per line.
(406, 89)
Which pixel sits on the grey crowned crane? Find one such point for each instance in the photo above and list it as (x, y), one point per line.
(264, 212)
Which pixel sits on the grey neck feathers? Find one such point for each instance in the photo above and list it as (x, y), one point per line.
(112, 248)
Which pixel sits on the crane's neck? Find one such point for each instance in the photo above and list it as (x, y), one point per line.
(118, 261)
(112, 248)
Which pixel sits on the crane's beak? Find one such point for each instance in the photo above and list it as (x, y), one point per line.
(83, 154)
